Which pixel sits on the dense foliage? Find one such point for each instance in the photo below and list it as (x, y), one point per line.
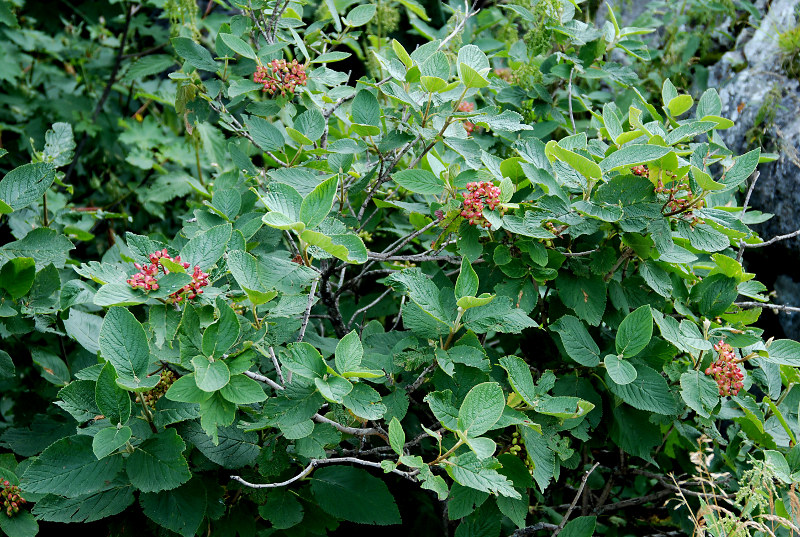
(489, 287)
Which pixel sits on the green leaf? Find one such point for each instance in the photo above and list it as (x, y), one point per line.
(88, 508)
(17, 276)
(243, 390)
(620, 371)
(69, 468)
(480, 474)
(585, 296)
(157, 463)
(265, 135)
(7, 369)
(397, 437)
(110, 439)
(318, 203)
(583, 526)
(577, 342)
(26, 184)
(21, 524)
(349, 353)
(586, 167)
(563, 407)
(237, 45)
(714, 295)
(422, 291)
(206, 248)
(700, 392)
(680, 105)
(210, 375)
(123, 342)
(470, 77)
(520, 378)
(112, 401)
(311, 123)
(633, 155)
(648, 392)
(185, 390)
(365, 109)
(704, 180)
(221, 335)
(499, 316)
(634, 332)
(304, 360)
(180, 510)
(784, 352)
(194, 54)
(742, 168)
(355, 495)
(419, 181)
(360, 15)
(365, 402)
(282, 509)
(481, 409)
(234, 447)
(77, 398)
(44, 245)
(333, 388)
(249, 274)
(348, 246)
(467, 282)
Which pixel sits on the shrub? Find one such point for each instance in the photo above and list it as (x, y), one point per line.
(439, 281)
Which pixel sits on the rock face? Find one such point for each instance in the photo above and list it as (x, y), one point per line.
(765, 105)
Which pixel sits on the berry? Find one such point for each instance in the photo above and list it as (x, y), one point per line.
(465, 106)
(147, 277)
(725, 370)
(11, 500)
(641, 171)
(478, 196)
(278, 76)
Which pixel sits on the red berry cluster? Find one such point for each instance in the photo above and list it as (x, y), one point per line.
(11, 498)
(681, 200)
(466, 106)
(479, 195)
(725, 370)
(147, 277)
(641, 171)
(280, 76)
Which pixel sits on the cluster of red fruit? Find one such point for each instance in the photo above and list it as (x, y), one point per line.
(725, 370)
(478, 196)
(11, 498)
(641, 170)
(280, 76)
(466, 106)
(147, 277)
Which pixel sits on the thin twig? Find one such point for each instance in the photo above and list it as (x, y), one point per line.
(416, 258)
(367, 307)
(460, 25)
(394, 247)
(756, 175)
(772, 240)
(266, 380)
(569, 98)
(530, 530)
(421, 378)
(311, 296)
(578, 254)
(321, 462)
(106, 92)
(355, 431)
(779, 307)
(575, 500)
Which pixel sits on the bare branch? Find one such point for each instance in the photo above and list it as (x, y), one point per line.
(772, 240)
(416, 258)
(367, 307)
(394, 247)
(778, 307)
(569, 100)
(575, 500)
(355, 431)
(470, 11)
(421, 378)
(311, 295)
(307, 470)
(266, 380)
(530, 530)
(578, 254)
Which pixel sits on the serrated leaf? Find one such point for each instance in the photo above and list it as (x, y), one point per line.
(210, 375)
(157, 463)
(620, 371)
(318, 203)
(243, 390)
(648, 392)
(482, 407)
(467, 282)
(353, 494)
(26, 184)
(207, 247)
(123, 342)
(419, 181)
(194, 54)
(110, 439)
(700, 392)
(635, 332)
(397, 437)
(238, 45)
(112, 401)
(349, 353)
(577, 342)
(520, 378)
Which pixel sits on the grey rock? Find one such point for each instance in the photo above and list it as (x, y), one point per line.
(788, 293)
(761, 89)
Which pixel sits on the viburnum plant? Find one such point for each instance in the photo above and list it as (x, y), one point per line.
(400, 290)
